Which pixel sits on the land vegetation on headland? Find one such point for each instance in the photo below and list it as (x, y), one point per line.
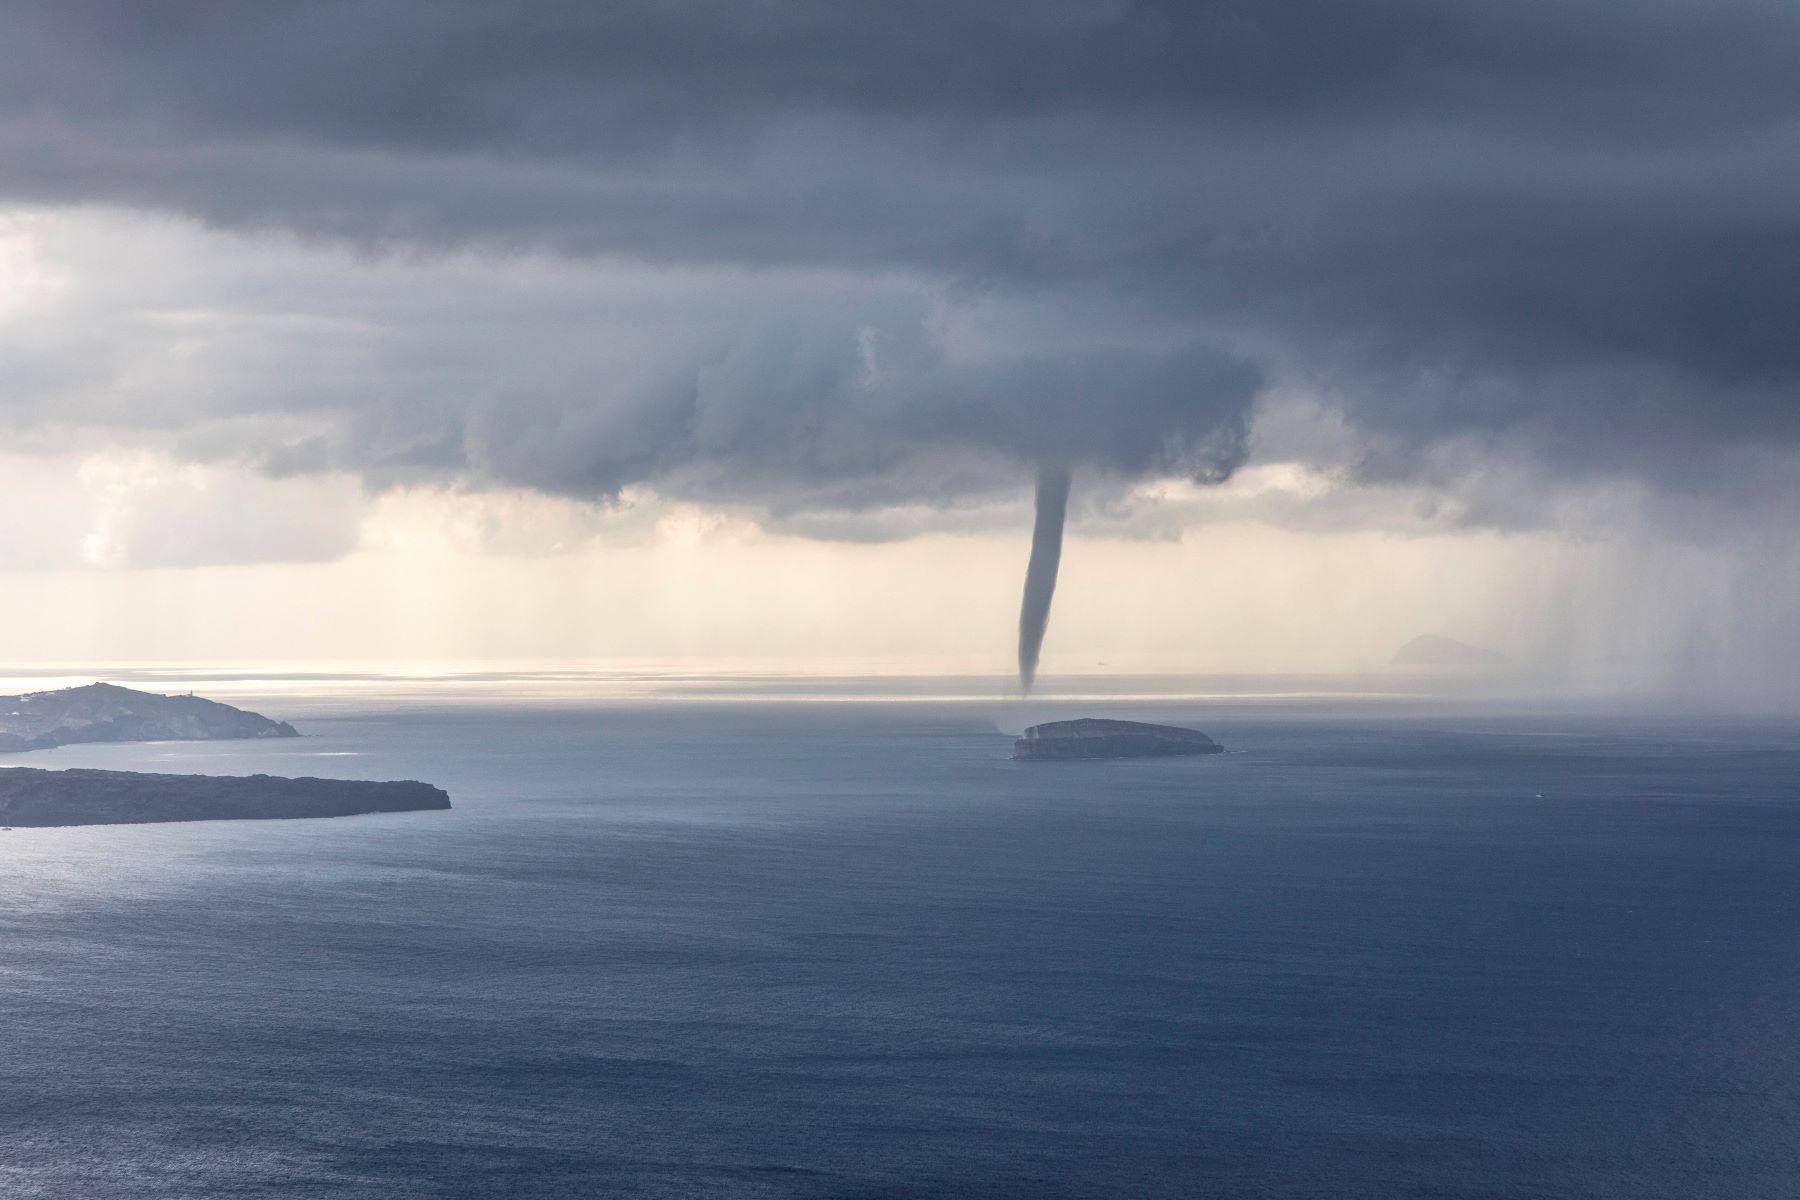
(103, 712)
(33, 797)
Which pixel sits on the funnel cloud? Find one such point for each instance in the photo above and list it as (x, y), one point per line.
(1040, 573)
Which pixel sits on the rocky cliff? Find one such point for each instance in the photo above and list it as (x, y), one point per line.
(1093, 737)
(31, 797)
(102, 712)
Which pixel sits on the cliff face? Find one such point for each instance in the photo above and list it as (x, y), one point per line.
(101, 712)
(1093, 737)
(30, 797)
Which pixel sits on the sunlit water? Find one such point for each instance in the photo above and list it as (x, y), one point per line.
(695, 948)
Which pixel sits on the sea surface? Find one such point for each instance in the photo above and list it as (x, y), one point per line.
(690, 946)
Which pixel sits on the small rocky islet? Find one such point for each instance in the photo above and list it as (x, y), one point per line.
(1098, 737)
(104, 712)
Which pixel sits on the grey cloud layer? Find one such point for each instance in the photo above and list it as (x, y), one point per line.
(1570, 227)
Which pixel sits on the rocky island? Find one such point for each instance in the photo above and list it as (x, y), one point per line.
(36, 798)
(1094, 737)
(104, 712)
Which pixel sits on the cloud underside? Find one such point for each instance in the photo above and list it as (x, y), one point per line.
(839, 258)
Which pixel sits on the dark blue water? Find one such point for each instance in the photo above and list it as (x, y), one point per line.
(850, 950)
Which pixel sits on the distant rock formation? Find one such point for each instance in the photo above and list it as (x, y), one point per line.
(1433, 651)
(35, 798)
(1095, 737)
(102, 712)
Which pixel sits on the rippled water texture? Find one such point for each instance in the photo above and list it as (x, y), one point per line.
(691, 948)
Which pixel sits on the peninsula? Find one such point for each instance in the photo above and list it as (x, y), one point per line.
(103, 712)
(30, 797)
(1094, 737)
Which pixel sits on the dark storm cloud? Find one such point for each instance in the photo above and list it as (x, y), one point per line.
(1567, 226)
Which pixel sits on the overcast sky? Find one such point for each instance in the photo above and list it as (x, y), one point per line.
(742, 327)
